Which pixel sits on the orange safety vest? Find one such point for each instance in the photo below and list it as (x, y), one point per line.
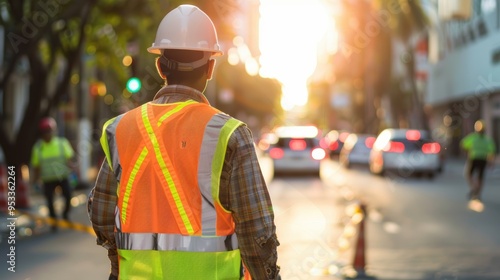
(169, 221)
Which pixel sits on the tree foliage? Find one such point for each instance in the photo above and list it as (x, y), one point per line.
(43, 41)
(49, 44)
(252, 95)
(366, 55)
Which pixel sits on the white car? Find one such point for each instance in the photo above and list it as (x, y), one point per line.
(296, 149)
(405, 152)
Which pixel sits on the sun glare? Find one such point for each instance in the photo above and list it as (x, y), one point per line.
(290, 32)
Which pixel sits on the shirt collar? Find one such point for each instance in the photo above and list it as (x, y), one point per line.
(178, 93)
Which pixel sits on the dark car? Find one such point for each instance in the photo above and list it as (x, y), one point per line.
(356, 150)
(335, 141)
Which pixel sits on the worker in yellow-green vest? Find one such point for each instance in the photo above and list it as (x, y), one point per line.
(50, 158)
(480, 150)
(181, 194)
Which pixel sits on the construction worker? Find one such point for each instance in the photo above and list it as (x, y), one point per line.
(480, 152)
(51, 160)
(181, 194)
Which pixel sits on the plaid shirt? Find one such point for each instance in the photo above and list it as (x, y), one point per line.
(242, 191)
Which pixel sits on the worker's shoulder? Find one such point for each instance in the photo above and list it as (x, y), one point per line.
(242, 135)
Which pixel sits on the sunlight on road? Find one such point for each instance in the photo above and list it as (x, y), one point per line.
(300, 217)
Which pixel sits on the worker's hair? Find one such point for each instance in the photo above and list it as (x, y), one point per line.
(183, 56)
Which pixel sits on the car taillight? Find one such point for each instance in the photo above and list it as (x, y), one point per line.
(343, 136)
(334, 145)
(369, 142)
(276, 153)
(395, 147)
(323, 144)
(413, 135)
(297, 145)
(318, 154)
(431, 148)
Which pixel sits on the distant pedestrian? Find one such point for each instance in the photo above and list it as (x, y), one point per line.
(480, 153)
(50, 158)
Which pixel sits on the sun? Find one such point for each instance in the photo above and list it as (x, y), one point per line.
(290, 33)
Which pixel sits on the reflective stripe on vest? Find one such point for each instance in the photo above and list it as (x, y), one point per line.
(177, 195)
(107, 140)
(211, 158)
(175, 242)
(216, 137)
(142, 138)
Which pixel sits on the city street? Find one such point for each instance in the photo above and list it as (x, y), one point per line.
(417, 228)
(187, 88)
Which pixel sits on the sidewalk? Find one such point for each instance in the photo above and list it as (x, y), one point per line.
(35, 220)
(456, 166)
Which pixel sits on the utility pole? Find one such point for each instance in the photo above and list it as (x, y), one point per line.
(84, 146)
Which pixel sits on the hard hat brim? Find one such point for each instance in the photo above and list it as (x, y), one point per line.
(158, 50)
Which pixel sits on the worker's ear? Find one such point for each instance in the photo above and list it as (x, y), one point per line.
(158, 68)
(210, 68)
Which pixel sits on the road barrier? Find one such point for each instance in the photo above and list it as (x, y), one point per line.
(22, 193)
(357, 269)
(57, 222)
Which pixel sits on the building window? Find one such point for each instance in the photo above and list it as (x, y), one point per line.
(488, 5)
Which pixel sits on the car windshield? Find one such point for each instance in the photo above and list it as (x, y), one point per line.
(360, 146)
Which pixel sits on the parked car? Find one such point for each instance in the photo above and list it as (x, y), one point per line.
(406, 152)
(335, 141)
(356, 150)
(296, 149)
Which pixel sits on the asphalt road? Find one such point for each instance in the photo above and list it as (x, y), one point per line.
(415, 228)
(41, 254)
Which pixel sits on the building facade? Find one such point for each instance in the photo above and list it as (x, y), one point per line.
(464, 70)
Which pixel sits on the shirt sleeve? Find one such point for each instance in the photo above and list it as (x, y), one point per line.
(68, 150)
(35, 161)
(466, 142)
(101, 208)
(247, 197)
(491, 147)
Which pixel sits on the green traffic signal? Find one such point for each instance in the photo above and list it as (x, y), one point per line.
(134, 85)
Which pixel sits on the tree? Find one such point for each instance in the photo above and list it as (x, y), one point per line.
(42, 34)
(407, 20)
(255, 96)
(366, 56)
(49, 40)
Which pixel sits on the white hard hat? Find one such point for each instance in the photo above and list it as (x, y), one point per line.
(186, 28)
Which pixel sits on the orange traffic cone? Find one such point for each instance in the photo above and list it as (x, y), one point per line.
(3, 190)
(357, 270)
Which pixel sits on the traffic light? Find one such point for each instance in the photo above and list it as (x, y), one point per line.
(134, 85)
